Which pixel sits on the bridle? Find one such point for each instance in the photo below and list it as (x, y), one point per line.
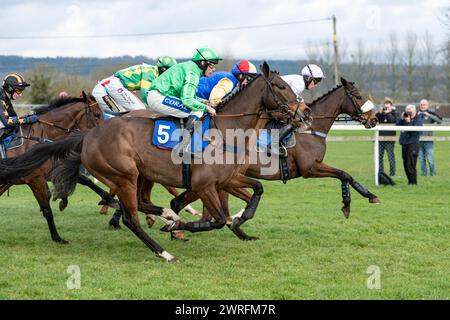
(282, 107)
(358, 109)
(76, 127)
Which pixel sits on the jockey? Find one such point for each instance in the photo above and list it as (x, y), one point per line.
(115, 92)
(215, 87)
(13, 86)
(174, 93)
(310, 77)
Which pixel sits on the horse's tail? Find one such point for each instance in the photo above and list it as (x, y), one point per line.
(65, 175)
(21, 166)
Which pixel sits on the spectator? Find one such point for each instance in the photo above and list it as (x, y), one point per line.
(387, 115)
(426, 148)
(63, 94)
(410, 142)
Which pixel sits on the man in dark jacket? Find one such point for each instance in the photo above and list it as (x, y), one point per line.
(410, 142)
(387, 115)
(426, 148)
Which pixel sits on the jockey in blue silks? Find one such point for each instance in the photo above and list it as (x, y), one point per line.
(219, 84)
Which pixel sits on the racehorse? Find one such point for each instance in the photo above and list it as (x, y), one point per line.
(305, 159)
(119, 151)
(59, 119)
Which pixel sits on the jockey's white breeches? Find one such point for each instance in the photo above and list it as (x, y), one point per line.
(169, 106)
(112, 86)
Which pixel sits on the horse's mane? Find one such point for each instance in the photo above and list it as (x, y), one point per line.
(234, 93)
(57, 103)
(326, 94)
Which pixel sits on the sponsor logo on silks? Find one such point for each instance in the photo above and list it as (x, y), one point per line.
(175, 103)
(119, 90)
(105, 83)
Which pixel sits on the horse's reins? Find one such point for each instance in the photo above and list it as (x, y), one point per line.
(53, 125)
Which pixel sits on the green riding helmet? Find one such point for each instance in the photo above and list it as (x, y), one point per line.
(206, 54)
(164, 63)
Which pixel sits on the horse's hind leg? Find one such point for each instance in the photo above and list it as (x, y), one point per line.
(128, 203)
(40, 190)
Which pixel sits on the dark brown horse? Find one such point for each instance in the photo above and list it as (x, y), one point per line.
(56, 121)
(305, 159)
(119, 151)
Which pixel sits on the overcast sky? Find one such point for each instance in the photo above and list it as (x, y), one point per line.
(370, 20)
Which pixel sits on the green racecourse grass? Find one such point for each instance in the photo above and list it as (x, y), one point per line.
(307, 250)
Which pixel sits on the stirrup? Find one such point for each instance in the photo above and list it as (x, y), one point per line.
(283, 151)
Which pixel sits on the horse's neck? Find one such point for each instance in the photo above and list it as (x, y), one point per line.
(245, 103)
(64, 117)
(329, 108)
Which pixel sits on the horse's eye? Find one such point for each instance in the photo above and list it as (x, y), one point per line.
(281, 86)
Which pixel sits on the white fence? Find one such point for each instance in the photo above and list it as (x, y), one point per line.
(376, 137)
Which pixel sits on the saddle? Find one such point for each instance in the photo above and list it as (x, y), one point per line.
(12, 141)
(264, 144)
(167, 135)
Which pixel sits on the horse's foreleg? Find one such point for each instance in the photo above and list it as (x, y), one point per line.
(322, 170)
(4, 187)
(128, 200)
(211, 200)
(188, 208)
(40, 190)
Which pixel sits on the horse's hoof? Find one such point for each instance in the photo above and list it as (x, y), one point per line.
(250, 238)
(167, 256)
(61, 241)
(104, 210)
(346, 212)
(150, 221)
(169, 227)
(374, 200)
(62, 205)
(115, 225)
(178, 235)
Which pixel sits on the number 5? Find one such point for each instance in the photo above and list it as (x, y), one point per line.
(163, 134)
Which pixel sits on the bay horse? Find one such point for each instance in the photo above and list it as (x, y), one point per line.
(305, 159)
(119, 151)
(59, 119)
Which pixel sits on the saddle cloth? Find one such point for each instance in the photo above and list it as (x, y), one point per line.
(168, 134)
(265, 137)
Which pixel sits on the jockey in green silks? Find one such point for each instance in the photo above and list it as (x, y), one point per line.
(115, 92)
(174, 92)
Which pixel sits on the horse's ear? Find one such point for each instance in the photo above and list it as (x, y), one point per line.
(265, 69)
(344, 82)
(83, 94)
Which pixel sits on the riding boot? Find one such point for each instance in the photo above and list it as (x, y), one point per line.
(284, 131)
(189, 127)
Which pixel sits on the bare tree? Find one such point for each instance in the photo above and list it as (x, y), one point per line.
(361, 59)
(393, 58)
(445, 20)
(427, 59)
(410, 61)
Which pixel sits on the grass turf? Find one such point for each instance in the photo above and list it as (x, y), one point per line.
(307, 250)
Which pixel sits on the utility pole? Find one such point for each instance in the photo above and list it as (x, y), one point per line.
(336, 74)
